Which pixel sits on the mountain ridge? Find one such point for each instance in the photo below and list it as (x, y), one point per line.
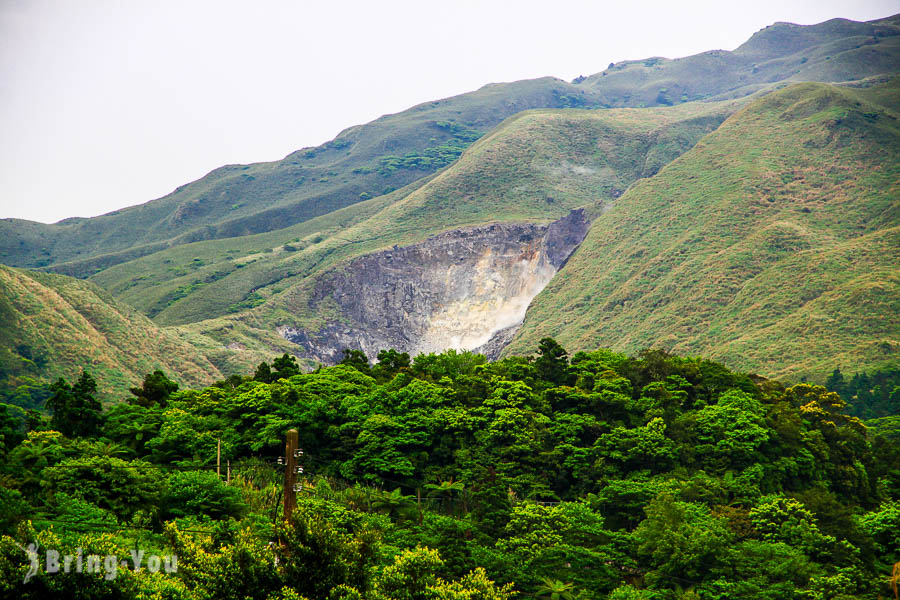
(367, 160)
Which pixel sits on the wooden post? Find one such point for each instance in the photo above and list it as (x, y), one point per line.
(219, 457)
(419, 503)
(290, 474)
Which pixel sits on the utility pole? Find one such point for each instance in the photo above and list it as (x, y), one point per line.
(290, 472)
(419, 503)
(219, 457)
(228, 476)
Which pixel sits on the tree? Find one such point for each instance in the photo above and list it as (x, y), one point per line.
(781, 519)
(10, 428)
(263, 373)
(553, 589)
(394, 504)
(491, 506)
(358, 360)
(731, 431)
(553, 363)
(567, 541)
(154, 391)
(320, 553)
(113, 484)
(837, 383)
(445, 491)
(390, 362)
(200, 493)
(285, 367)
(242, 568)
(132, 425)
(681, 539)
(413, 576)
(76, 413)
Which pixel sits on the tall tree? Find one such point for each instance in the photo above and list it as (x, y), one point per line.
(390, 362)
(358, 360)
(263, 373)
(76, 413)
(553, 363)
(285, 366)
(155, 390)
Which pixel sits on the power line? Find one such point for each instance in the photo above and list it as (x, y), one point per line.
(107, 527)
(170, 467)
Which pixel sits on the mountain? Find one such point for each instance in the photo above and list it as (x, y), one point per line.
(393, 151)
(772, 244)
(238, 200)
(751, 218)
(836, 50)
(54, 326)
(535, 167)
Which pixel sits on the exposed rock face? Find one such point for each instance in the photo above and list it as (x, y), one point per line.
(466, 289)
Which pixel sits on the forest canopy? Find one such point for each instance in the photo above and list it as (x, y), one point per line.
(447, 476)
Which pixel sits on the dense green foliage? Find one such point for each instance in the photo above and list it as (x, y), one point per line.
(446, 476)
(869, 395)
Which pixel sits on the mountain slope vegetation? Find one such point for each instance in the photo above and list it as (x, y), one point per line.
(836, 50)
(370, 160)
(750, 241)
(55, 326)
(237, 200)
(772, 245)
(535, 167)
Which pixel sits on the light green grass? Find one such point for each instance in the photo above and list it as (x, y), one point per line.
(771, 245)
(68, 325)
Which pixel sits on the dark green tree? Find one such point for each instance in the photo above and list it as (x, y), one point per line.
(154, 391)
(263, 373)
(358, 360)
(76, 413)
(285, 366)
(390, 362)
(11, 428)
(553, 363)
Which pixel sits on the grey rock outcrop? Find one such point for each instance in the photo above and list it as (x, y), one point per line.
(466, 289)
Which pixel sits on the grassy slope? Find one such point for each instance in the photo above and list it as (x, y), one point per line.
(836, 50)
(238, 200)
(605, 149)
(73, 325)
(535, 167)
(771, 245)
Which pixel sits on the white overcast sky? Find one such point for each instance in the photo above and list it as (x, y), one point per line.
(106, 104)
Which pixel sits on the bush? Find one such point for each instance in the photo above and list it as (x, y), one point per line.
(200, 493)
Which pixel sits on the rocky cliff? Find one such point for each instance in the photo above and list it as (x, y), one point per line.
(466, 289)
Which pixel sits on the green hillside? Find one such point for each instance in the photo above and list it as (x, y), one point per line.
(836, 50)
(55, 326)
(389, 153)
(772, 245)
(768, 245)
(535, 167)
(236, 200)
